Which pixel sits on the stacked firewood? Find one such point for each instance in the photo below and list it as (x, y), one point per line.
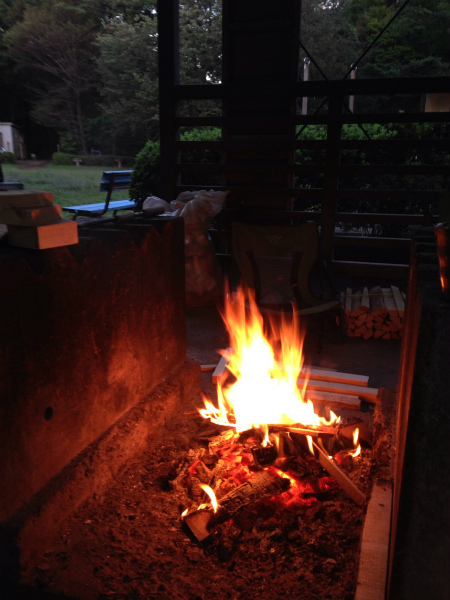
(374, 313)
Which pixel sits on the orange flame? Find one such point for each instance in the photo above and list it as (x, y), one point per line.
(210, 492)
(266, 370)
(357, 451)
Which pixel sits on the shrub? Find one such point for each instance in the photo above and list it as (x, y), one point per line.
(7, 157)
(146, 178)
(62, 158)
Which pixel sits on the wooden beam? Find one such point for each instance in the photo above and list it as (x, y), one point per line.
(373, 561)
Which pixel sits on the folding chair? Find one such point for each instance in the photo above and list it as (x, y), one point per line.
(280, 263)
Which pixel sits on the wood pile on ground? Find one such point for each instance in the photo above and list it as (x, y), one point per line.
(377, 312)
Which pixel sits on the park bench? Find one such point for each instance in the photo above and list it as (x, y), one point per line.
(111, 180)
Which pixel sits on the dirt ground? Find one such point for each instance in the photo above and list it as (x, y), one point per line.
(130, 541)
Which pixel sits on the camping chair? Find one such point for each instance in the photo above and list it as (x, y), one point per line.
(280, 264)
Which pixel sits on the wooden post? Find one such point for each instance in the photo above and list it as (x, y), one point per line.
(169, 77)
(331, 175)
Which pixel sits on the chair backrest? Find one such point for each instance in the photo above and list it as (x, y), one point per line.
(115, 180)
(253, 247)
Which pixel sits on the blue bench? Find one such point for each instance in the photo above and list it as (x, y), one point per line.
(111, 180)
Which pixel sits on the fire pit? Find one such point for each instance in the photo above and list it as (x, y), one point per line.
(297, 535)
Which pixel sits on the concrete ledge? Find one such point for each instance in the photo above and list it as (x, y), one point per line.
(26, 537)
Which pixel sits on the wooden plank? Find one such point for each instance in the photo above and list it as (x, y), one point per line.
(318, 374)
(25, 199)
(333, 400)
(339, 475)
(31, 216)
(365, 393)
(314, 373)
(389, 301)
(398, 299)
(373, 562)
(376, 301)
(206, 368)
(62, 233)
(348, 301)
(356, 303)
(365, 300)
(219, 372)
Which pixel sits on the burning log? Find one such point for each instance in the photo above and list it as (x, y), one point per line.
(262, 485)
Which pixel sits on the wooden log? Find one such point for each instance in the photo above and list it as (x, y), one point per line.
(373, 561)
(197, 522)
(347, 484)
(368, 334)
(361, 320)
(260, 486)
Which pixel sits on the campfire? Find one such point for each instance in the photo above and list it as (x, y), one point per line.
(280, 445)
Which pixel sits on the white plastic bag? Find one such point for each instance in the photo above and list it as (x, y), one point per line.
(203, 272)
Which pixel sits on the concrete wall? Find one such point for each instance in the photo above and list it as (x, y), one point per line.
(86, 332)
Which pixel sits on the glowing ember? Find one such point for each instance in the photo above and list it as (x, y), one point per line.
(266, 368)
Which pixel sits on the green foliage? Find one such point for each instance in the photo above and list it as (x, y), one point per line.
(200, 41)
(204, 134)
(201, 155)
(62, 159)
(7, 157)
(146, 178)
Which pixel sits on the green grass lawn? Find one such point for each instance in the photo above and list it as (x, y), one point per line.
(70, 185)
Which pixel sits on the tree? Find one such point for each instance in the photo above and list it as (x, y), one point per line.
(329, 38)
(54, 45)
(415, 44)
(128, 69)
